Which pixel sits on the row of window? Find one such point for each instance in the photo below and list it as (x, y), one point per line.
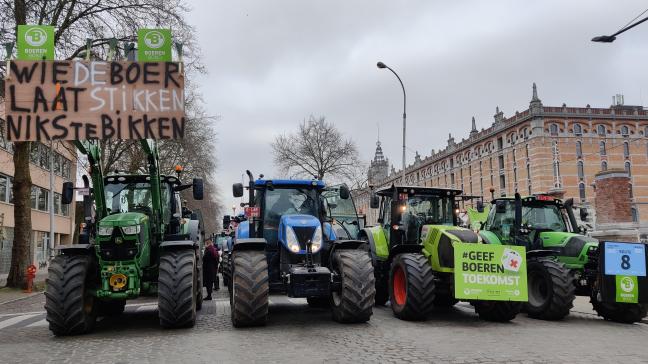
(40, 156)
(600, 130)
(39, 197)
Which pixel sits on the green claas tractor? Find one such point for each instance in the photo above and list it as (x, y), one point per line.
(412, 250)
(137, 243)
(562, 261)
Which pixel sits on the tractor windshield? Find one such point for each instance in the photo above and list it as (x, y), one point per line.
(343, 211)
(428, 210)
(133, 197)
(543, 216)
(288, 201)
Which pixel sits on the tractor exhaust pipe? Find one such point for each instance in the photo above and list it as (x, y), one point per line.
(251, 203)
(518, 215)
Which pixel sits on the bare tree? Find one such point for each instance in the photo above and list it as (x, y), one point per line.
(74, 21)
(317, 149)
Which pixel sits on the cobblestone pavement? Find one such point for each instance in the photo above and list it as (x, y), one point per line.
(297, 333)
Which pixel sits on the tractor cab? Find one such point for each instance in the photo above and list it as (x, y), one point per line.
(342, 217)
(404, 211)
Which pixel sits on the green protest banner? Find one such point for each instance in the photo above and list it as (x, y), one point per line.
(35, 42)
(476, 218)
(154, 45)
(490, 272)
(627, 289)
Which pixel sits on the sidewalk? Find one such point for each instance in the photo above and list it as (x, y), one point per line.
(8, 295)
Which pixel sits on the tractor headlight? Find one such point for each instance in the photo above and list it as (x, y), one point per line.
(105, 230)
(291, 240)
(131, 230)
(316, 242)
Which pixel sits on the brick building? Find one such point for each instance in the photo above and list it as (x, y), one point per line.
(543, 149)
(64, 167)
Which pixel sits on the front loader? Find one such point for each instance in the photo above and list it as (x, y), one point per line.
(562, 261)
(137, 243)
(413, 253)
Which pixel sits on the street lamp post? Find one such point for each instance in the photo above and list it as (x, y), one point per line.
(611, 38)
(382, 65)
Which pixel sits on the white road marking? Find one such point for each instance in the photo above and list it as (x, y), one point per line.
(21, 313)
(15, 320)
(146, 308)
(42, 322)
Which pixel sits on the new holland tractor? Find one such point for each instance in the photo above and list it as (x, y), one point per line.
(287, 246)
(135, 244)
(412, 250)
(562, 261)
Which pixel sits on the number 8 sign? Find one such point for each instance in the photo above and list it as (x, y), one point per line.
(625, 259)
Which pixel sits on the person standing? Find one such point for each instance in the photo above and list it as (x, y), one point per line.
(210, 267)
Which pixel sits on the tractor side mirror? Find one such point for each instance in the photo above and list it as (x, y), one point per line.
(67, 194)
(198, 189)
(344, 192)
(500, 207)
(226, 221)
(237, 190)
(480, 206)
(583, 214)
(374, 202)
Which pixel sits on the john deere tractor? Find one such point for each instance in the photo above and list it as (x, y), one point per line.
(288, 246)
(562, 261)
(412, 250)
(135, 244)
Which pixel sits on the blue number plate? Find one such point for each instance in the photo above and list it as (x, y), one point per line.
(625, 259)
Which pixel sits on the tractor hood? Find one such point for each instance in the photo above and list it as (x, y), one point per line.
(567, 244)
(304, 227)
(124, 219)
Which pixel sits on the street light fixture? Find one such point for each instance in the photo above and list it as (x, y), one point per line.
(381, 65)
(611, 38)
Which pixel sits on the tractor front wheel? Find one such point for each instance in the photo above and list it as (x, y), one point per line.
(498, 311)
(70, 308)
(551, 289)
(177, 289)
(250, 288)
(411, 286)
(354, 302)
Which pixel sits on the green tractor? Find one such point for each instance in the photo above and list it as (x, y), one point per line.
(412, 250)
(137, 243)
(562, 261)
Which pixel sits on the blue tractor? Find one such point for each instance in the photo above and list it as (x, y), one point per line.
(289, 246)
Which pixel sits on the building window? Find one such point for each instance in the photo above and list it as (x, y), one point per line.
(635, 215)
(553, 129)
(4, 188)
(452, 179)
(628, 169)
(602, 148)
(630, 191)
(44, 157)
(578, 130)
(600, 130)
(500, 143)
(604, 166)
(626, 149)
(556, 165)
(579, 149)
(624, 131)
(57, 163)
(581, 172)
(581, 191)
(39, 198)
(502, 182)
(528, 171)
(34, 155)
(501, 162)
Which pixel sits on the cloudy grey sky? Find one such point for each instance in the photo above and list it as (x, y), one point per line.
(273, 63)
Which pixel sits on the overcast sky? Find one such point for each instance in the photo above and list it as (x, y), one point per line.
(274, 63)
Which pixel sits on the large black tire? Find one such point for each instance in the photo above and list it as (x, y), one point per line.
(177, 289)
(354, 302)
(498, 311)
(552, 289)
(110, 308)
(626, 313)
(250, 288)
(70, 308)
(411, 287)
(319, 302)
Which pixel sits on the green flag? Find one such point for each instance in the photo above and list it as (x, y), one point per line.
(154, 45)
(35, 42)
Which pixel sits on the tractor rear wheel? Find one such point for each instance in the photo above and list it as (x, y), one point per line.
(551, 289)
(626, 313)
(411, 286)
(354, 302)
(498, 311)
(177, 289)
(70, 308)
(250, 288)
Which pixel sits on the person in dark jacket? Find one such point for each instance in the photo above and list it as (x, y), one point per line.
(210, 266)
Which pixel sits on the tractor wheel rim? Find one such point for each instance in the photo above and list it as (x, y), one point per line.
(538, 289)
(399, 287)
